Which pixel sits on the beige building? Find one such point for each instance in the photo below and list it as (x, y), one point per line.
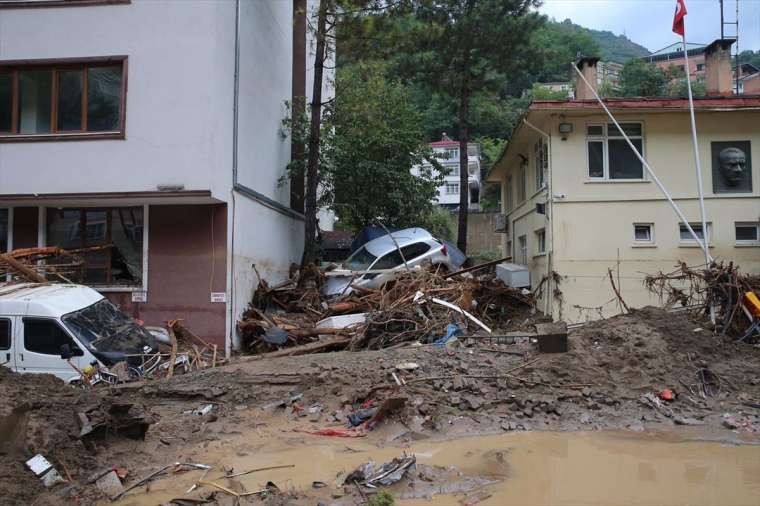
(578, 201)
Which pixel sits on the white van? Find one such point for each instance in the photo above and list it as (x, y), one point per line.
(37, 320)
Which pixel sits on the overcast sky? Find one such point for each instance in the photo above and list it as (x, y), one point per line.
(649, 22)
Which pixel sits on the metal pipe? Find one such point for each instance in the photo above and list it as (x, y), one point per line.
(644, 162)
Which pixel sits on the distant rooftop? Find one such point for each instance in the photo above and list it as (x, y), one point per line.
(677, 47)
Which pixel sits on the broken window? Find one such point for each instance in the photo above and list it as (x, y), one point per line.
(102, 326)
(69, 97)
(119, 231)
(45, 336)
(610, 156)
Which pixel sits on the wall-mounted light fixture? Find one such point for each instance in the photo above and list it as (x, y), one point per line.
(565, 129)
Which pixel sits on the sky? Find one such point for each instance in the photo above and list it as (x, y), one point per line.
(649, 22)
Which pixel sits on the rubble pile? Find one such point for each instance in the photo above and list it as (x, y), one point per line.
(419, 305)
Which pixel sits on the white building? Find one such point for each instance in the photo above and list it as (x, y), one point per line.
(446, 152)
(154, 125)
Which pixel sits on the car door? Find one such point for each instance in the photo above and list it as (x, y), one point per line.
(7, 349)
(39, 348)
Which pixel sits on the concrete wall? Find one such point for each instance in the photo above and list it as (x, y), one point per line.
(593, 221)
(179, 99)
(480, 231)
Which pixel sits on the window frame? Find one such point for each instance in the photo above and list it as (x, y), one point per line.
(32, 4)
(690, 242)
(13, 67)
(448, 184)
(109, 285)
(540, 242)
(522, 243)
(747, 224)
(645, 242)
(522, 189)
(508, 198)
(540, 162)
(604, 138)
(55, 322)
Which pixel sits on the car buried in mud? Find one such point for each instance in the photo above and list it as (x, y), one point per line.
(382, 259)
(59, 328)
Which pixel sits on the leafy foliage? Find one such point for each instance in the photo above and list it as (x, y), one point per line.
(642, 79)
(373, 136)
(750, 56)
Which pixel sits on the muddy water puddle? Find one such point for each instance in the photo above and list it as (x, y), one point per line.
(526, 468)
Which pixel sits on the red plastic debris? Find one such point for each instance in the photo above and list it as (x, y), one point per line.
(667, 395)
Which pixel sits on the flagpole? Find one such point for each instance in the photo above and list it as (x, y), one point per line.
(705, 241)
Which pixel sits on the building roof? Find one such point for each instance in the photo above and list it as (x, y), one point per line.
(647, 103)
(443, 144)
(676, 47)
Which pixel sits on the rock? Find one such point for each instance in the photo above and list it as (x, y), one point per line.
(586, 392)
(680, 420)
(585, 418)
(730, 423)
(509, 426)
(454, 399)
(528, 412)
(457, 383)
(474, 403)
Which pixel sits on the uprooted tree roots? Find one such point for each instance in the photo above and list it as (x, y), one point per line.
(720, 288)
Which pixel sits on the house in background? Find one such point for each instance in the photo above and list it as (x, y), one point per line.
(673, 55)
(155, 126)
(607, 73)
(577, 201)
(446, 152)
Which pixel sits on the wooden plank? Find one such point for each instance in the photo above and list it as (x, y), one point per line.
(23, 269)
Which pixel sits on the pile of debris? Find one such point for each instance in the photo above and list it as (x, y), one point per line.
(419, 305)
(719, 290)
(40, 265)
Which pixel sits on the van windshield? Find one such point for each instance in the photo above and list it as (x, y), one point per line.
(103, 327)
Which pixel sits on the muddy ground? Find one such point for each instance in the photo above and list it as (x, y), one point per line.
(609, 379)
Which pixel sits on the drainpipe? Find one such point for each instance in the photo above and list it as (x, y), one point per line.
(549, 215)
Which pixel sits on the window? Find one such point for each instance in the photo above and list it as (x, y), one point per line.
(472, 169)
(522, 187)
(72, 98)
(415, 250)
(643, 233)
(5, 334)
(541, 161)
(451, 154)
(388, 261)
(452, 188)
(700, 67)
(541, 241)
(748, 233)
(121, 227)
(11, 4)
(610, 156)
(686, 236)
(3, 230)
(45, 336)
(522, 243)
(508, 190)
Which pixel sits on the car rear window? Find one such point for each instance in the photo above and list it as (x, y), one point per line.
(414, 250)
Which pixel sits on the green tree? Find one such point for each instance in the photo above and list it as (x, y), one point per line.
(372, 137)
(491, 150)
(641, 79)
(458, 48)
(538, 92)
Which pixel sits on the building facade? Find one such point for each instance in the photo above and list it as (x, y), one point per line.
(579, 203)
(446, 151)
(672, 55)
(154, 126)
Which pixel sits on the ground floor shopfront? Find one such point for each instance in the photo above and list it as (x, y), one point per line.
(166, 261)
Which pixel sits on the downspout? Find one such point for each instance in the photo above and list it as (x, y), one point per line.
(549, 215)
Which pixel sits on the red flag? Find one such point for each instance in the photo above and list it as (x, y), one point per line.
(678, 18)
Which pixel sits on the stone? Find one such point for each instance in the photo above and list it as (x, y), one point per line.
(457, 383)
(528, 412)
(586, 392)
(585, 418)
(474, 403)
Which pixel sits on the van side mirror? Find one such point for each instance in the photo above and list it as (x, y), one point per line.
(68, 351)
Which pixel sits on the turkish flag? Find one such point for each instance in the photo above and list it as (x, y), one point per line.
(678, 17)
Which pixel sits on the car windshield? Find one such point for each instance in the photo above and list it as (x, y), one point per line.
(104, 328)
(360, 260)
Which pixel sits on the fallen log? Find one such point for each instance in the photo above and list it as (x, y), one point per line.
(24, 270)
(301, 350)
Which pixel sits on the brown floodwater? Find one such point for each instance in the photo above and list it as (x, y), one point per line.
(523, 468)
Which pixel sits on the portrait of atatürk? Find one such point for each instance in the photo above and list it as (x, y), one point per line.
(731, 167)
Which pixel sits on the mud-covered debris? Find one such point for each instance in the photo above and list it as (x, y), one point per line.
(369, 475)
